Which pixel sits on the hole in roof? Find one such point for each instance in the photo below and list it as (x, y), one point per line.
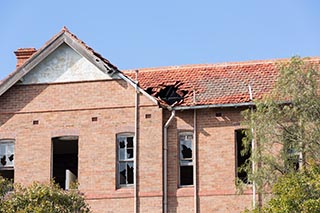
(168, 93)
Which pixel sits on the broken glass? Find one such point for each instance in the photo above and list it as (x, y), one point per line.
(3, 160)
(185, 149)
(10, 153)
(129, 153)
(123, 175)
(122, 154)
(121, 144)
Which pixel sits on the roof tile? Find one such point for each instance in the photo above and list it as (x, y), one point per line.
(225, 83)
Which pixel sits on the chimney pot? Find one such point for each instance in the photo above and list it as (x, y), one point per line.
(23, 54)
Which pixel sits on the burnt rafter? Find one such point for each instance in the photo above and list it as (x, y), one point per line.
(169, 93)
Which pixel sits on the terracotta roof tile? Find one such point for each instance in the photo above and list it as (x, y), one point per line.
(225, 83)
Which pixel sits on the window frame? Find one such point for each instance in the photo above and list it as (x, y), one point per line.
(187, 162)
(125, 160)
(10, 167)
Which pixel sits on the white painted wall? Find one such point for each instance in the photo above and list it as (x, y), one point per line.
(64, 65)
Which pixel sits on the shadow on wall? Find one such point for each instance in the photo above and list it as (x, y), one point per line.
(16, 99)
(207, 119)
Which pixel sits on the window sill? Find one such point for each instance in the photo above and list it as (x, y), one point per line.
(125, 187)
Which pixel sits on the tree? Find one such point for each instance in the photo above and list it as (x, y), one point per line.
(286, 125)
(296, 192)
(41, 198)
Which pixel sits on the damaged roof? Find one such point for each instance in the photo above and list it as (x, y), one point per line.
(222, 84)
(210, 84)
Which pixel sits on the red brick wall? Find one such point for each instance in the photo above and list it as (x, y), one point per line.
(216, 162)
(67, 108)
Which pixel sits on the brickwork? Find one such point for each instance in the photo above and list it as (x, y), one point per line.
(64, 109)
(68, 108)
(216, 162)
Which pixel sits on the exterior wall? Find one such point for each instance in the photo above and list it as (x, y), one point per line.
(67, 109)
(216, 162)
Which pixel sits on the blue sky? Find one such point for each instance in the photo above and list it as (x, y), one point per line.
(135, 34)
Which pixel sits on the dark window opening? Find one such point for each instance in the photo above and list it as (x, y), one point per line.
(291, 149)
(186, 159)
(291, 161)
(65, 160)
(8, 173)
(186, 175)
(241, 158)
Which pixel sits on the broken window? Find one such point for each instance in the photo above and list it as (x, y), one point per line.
(242, 157)
(7, 159)
(125, 159)
(186, 158)
(291, 150)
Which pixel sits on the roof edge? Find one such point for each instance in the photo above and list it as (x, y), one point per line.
(248, 104)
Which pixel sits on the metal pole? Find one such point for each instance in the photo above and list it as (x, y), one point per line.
(136, 210)
(165, 162)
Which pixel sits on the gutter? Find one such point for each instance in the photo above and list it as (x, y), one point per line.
(214, 106)
(134, 84)
(165, 162)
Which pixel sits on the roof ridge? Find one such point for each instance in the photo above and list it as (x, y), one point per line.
(220, 64)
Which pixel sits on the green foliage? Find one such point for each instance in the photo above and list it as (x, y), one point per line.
(296, 192)
(42, 198)
(286, 124)
(5, 186)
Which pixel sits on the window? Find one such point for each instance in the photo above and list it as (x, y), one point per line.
(7, 159)
(241, 157)
(125, 159)
(185, 159)
(65, 160)
(291, 162)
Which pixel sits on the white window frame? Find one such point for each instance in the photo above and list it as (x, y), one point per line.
(124, 159)
(185, 161)
(5, 143)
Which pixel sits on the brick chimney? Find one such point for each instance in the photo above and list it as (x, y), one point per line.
(24, 54)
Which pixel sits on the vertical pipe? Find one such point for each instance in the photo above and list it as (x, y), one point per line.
(165, 162)
(253, 170)
(195, 179)
(252, 152)
(136, 144)
(195, 151)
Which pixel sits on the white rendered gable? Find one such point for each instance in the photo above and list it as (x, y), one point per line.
(64, 65)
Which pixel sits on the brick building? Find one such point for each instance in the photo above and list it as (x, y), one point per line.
(153, 140)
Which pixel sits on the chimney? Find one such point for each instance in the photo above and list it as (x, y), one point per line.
(23, 54)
